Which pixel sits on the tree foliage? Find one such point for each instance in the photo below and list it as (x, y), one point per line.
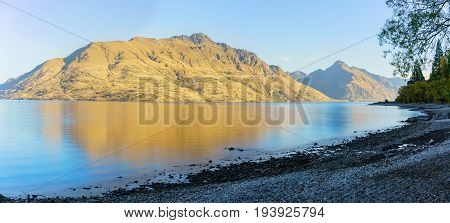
(417, 74)
(435, 91)
(437, 60)
(414, 29)
(442, 69)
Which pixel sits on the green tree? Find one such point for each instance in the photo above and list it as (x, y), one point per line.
(442, 68)
(447, 72)
(417, 74)
(436, 91)
(413, 31)
(438, 63)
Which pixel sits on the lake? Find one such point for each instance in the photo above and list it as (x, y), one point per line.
(53, 145)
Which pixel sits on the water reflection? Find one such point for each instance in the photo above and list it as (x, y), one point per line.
(103, 128)
(43, 139)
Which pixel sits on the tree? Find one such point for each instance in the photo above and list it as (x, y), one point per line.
(442, 68)
(432, 91)
(413, 30)
(417, 74)
(438, 63)
(447, 73)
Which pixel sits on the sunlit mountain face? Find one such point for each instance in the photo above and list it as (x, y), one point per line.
(178, 69)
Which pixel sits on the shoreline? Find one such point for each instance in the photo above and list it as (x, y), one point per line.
(313, 176)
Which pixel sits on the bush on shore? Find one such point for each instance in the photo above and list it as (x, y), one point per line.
(431, 91)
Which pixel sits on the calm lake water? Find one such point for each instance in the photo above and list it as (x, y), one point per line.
(71, 144)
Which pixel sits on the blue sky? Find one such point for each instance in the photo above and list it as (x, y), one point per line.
(290, 34)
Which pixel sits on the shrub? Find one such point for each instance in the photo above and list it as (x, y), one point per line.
(434, 91)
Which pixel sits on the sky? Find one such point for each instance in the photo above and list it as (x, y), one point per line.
(290, 34)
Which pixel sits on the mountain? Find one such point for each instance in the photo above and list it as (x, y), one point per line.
(297, 75)
(394, 83)
(181, 68)
(343, 82)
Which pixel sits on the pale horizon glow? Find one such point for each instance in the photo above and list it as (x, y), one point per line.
(289, 34)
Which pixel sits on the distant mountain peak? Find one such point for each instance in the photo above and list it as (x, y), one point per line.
(340, 81)
(339, 63)
(196, 38)
(298, 75)
(200, 36)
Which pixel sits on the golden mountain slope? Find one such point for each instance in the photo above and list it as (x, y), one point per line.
(182, 68)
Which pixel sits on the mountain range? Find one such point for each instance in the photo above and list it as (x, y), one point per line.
(177, 69)
(298, 75)
(343, 82)
(189, 69)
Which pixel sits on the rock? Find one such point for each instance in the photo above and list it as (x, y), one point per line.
(210, 161)
(3, 199)
(418, 118)
(230, 148)
(240, 150)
